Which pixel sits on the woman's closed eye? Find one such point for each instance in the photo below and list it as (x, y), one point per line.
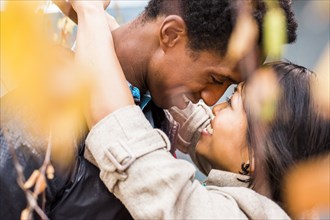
(228, 100)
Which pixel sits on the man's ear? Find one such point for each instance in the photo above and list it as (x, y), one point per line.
(172, 31)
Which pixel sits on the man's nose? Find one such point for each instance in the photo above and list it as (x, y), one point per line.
(193, 97)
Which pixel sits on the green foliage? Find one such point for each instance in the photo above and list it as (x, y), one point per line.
(275, 34)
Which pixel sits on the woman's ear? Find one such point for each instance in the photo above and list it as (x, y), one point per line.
(172, 32)
(247, 168)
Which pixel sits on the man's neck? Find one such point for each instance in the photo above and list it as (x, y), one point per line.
(133, 55)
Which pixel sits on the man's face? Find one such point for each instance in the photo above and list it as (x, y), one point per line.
(177, 73)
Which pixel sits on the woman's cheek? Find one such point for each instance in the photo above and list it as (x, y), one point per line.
(223, 126)
(218, 123)
(203, 148)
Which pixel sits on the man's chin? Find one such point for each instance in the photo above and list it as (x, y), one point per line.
(182, 105)
(162, 105)
(179, 105)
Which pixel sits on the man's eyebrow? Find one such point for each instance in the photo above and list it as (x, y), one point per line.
(232, 80)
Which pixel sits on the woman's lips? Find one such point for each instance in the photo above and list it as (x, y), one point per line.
(207, 131)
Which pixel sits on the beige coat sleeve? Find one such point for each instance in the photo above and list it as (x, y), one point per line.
(136, 166)
(192, 121)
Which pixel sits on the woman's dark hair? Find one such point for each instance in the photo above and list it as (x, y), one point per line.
(297, 132)
(210, 22)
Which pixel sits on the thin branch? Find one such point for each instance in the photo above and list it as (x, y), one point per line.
(32, 203)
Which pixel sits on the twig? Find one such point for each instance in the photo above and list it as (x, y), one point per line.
(32, 203)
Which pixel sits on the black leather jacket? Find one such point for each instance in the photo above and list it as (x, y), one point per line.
(74, 193)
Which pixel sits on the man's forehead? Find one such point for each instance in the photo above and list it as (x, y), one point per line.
(236, 71)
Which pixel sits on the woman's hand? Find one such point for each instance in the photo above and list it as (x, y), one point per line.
(79, 5)
(66, 7)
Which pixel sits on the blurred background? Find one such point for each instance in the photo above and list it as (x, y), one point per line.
(313, 30)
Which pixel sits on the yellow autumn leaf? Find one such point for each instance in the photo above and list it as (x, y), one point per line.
(41, 185)
(50, 172)
(243, 38)
(25, 214)
(274, 32)
(32, 179)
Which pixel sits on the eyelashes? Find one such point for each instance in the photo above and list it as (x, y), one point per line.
(215, 81)
(228, 100)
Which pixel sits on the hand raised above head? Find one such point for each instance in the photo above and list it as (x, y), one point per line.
(69, 10)
(83, 4)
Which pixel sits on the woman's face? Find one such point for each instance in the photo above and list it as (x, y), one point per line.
(224, 144)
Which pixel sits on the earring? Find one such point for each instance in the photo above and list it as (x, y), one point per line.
(244, 169)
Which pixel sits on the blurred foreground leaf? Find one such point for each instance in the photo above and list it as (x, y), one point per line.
(274, 30)
(45, 77)
(263, 94)
(321, 85)
(307, 189)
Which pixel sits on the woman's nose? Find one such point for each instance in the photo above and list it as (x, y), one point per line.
(217, 108)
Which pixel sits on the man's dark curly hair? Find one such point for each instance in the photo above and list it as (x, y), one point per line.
(211, 22)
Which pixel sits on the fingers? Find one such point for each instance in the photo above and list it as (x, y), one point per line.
(111, 22)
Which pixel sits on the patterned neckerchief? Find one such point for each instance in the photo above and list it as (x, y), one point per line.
(143, 102)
